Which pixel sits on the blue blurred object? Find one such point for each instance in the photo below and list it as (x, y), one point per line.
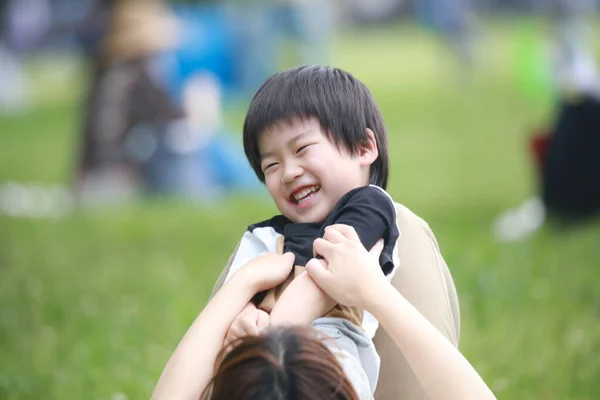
(446, 16)
(229, 166)
(242, 44)
(186, 165)
(237, 46)
(197, 159)
(207, 44)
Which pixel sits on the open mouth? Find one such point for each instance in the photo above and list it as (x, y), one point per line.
(304, 194)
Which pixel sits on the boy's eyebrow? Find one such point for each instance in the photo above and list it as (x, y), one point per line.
(291, 142)
(299, 136)
(265, 155)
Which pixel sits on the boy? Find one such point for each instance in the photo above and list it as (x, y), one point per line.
(322, 164)
(316, 138)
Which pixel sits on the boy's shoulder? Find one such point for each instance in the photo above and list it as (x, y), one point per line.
(368, 190)
(369, 194)
(365, 198)
(277, 223)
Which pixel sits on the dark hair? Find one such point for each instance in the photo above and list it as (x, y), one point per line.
(342, 104)
(284, 363)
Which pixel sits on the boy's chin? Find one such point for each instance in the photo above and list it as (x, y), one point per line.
(310, 217)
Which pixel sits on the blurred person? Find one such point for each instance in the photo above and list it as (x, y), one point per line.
(23, 28)
(256, 55)
(92, 26)
(27, 24)
(374, 10)
(298, 122)
(195, 158)
(568, 156)
(166, 93)
(14, 95)
(571, 51)
(311, 363)
(567, 153)
(310, 24)
(127, 95)
(570, 163)
(454, 21)
(281, 32)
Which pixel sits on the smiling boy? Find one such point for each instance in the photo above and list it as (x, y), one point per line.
(316, 137)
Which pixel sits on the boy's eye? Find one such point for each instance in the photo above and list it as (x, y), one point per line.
(269, 166)
(303, 148)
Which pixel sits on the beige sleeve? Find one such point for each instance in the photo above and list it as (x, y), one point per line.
(425, 281)
(221, 279)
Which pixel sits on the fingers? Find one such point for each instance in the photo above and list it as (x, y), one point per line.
(229, 340)
(318, 271)
(244, 325)
(345, 230)
(323, 247)
(250, 307)
(262, 320)
(233, 336)
(287, 259)
(376, 250)
(268, 271)
(333, 235)
(341, 233)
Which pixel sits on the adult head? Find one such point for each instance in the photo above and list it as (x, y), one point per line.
(281, 364)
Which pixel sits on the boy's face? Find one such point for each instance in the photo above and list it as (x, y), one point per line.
(305, 173)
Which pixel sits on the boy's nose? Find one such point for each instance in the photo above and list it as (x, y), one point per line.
(291, 172)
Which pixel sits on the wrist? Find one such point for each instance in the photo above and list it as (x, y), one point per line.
(376, 295)
(244, 284)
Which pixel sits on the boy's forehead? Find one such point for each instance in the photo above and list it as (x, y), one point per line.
(295, 124)
(284, 132)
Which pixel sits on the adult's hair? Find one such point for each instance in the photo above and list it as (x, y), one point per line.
(342, 104)
(288, 363)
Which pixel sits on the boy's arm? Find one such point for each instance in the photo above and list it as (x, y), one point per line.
(301, 303)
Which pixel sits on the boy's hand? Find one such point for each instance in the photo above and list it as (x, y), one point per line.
(251, 321)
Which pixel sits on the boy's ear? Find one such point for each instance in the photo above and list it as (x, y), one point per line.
(369, 153)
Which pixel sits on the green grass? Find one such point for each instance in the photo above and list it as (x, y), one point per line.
(92, 305)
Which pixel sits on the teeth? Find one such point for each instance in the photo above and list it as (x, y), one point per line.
(305, 192)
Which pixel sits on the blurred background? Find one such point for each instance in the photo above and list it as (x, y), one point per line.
(124, 187)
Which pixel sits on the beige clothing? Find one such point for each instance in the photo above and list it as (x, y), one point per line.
(424, 280)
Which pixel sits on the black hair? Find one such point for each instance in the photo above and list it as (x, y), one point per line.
(342, 104)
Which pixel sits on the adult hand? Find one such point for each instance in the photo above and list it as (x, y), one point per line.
(249, 322)
(267, 271)
(349, 274)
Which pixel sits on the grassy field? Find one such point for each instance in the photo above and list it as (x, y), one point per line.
(92, 305)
